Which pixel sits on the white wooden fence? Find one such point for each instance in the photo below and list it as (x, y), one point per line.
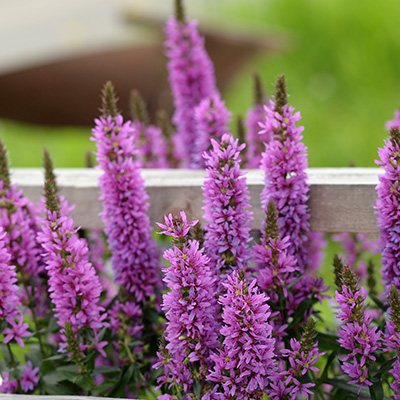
(341, 199)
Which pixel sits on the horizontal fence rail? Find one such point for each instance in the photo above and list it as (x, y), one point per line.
(341, 199)
(48, 397)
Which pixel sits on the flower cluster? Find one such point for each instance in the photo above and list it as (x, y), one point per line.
(190, 309)
(74, 286)
(97, 256)
(212, 120)
(191, 76)
(276, 266)
(356, 333)
(19, 219)
(149, 139)
(392, 336)
(226, 209)
(388, 209)
(28, 381)
(276, 270)
(284, 162)
(244, 365)
(357, 247)
(135, 257)
(153, 147)
(10, 304)
(255, 116)
(303, 354)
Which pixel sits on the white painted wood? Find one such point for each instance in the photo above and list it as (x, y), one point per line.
(35, 397)
(341, 199)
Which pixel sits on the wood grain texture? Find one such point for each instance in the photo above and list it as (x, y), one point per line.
(341, 199)
(35, 397)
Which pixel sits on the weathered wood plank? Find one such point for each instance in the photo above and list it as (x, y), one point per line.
(35, 397)
(341, 199)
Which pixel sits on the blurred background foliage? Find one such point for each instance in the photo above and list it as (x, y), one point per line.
(342, 64)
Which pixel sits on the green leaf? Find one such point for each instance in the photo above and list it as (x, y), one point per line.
(135, 343)
(385, 367)
(89, 361)
(53, 326)
(327, 341)
(376, 390)
(107, 384)
(197, 388)
(304, 306)
(329, 361)
(378, 302)
(58, 390)
(106, 370)
(291, 284)
(63, 373)
(125, 379)
(344, 385)
(83, 382)
(56, 357)
(16, 373)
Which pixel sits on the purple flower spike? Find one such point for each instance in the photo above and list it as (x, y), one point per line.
(135, 257)
(19, 219)
(392, 336)
(244, 365)
(9, 300)
(190, 308)
(255, 116)
(212, 120)
(97, 253)
(256, 138)
(355, 334)
(388, 209)
(227, 205)
(191, 76)
(284, 163)
(357, 247)
(74, 286)
(278, 266)
(153, 152)
(302, 357)
(21, 224)
(10, 303)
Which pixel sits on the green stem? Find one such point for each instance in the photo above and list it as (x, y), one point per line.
(32, 308)
(14, 365)
(318, 390)
(128, 350)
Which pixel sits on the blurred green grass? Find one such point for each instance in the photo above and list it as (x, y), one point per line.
(342, 67)
(342, 70)
(25, 142)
